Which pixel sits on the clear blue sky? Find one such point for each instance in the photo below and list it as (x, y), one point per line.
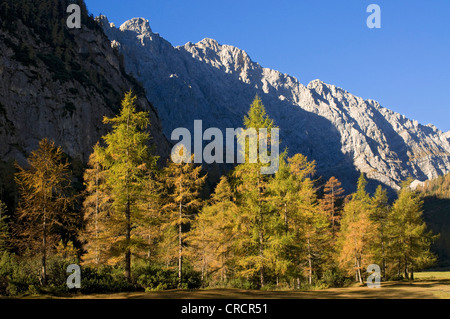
(404, 65)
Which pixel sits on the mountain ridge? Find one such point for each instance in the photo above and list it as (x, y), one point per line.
(344, 133)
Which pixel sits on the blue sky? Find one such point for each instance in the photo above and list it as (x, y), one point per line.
(404, 65)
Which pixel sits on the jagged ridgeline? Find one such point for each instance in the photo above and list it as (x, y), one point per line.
(57, 82)
(345, 134)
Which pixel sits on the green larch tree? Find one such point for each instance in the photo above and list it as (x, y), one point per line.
(255, 213)
(126, 161)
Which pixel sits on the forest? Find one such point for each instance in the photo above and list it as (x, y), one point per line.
(135, 225)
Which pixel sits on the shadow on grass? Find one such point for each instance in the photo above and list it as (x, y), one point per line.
(423, 289)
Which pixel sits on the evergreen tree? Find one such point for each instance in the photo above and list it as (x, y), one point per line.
(45, 200)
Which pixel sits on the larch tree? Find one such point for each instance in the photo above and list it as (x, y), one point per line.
(409, 239)
(331, 203)
(311, 227)
(283, 199)
(213, 232)
(5, 235)
(126, 160)
(46, 197)
(379, 216)
(357, 232)
(183, 184)
(251, 186)
(96, 208)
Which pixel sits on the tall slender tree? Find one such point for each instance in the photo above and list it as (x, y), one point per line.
(251, 186)
(45, 200)
(5, 235)
(357, 232)
(96, 208)
(126, 159)
(409, 239)
(183, 181)
(213, 234)
(331, 203)
(379, 216)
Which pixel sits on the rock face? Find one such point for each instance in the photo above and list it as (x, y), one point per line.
(39, 100)
(342, 132)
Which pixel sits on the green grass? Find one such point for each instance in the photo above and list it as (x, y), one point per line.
(432, 275)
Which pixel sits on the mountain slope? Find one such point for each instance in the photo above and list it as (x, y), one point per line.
(342, 132)
(59, 83)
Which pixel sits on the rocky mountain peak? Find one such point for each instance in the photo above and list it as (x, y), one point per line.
(139, 25)
(345, 134)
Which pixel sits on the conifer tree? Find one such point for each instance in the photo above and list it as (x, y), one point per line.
(96, 208)
(409, 240)
(311, 227)
(357, 232)
(126, 160)
(255, 215)
(45, 200)
(5, 236)
(214, 232)
(183, 182)
(331, 203)
(379, 216)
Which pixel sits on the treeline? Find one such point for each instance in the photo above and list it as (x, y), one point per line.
(137, 226)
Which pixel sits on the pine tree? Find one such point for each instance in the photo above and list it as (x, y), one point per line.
(183, 182)
(45, 200)
(409, 240)
(126, 160)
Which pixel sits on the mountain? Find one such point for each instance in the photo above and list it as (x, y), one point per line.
(216, 83)
(59, 83)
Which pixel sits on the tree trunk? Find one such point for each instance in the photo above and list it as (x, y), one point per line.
(309, 262)
(128, 238)
(406, 268)
(180, 250)
(358, 265)
(44, 251)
